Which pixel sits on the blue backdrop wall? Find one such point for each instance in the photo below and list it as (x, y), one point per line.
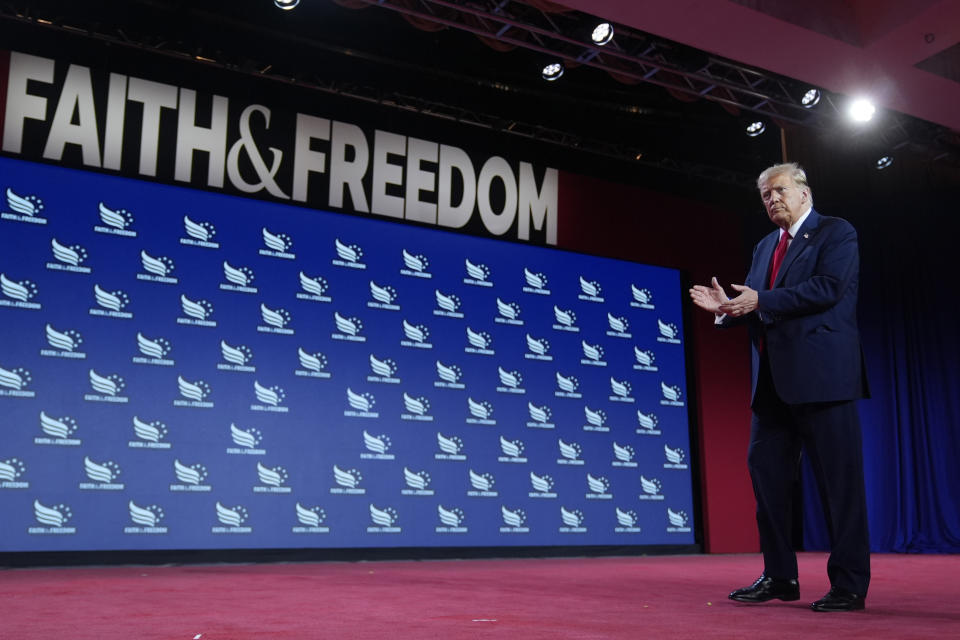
(182, 369)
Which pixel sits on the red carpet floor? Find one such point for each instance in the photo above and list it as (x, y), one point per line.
(632, 597)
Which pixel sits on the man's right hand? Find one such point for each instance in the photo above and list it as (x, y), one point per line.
(709, 298)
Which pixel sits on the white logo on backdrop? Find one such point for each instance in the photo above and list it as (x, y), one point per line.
(479, 342)
(477, 274)
(648, 423)
(149, 434)
(60, 429)
(450, 448)
(508, 313)
(450, 519)
(448, 306)
(592, 354)
(314, 288)
(620, 391)
(418, 483)
(669, 332)
(377, 447)
(596, 419)
(642, 298)
(416, 336)
(277, 245)
(274, 320)
(415, 265)
(514, 519)
(510, 381)
(590, 290)
(512, 451)
(24, 208)
(480, 412)
(535, 282)
(115, 221)
(196, 312)
(482, 484)
(199, 234)
(572, 521)
(566, 320)
(671, 395)
(542, 486)
(645, 360)
(538, 349)
(569, 453)
(416, 407)
(68, 258)
(449, 376)
(599, 488)
(618, 326)
(348, 255)
(313, 365)
(156, 269)
(623, 455)
(567, 387)
(19, 292)
(237, 279)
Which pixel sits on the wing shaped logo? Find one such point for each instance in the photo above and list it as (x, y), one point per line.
(571, 518)
(452, 445)
(414, 262)
(25, 205)
(383, 517)
(450, 517)
(477, 271)
(22, 291)
(279, 242)
(514, 518)
(72, 255)
(201, 231)
(118, 219)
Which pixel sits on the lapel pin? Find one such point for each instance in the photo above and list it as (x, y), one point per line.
(806, 235)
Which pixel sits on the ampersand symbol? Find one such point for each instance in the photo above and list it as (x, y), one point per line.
(248, 144)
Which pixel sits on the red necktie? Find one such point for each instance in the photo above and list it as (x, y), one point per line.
(778, 254)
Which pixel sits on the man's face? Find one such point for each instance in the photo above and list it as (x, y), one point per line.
(784, 200)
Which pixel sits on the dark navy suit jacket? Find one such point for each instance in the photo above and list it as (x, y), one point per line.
(808, 320)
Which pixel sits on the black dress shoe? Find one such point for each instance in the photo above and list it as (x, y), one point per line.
(768, 589)
(839, 600)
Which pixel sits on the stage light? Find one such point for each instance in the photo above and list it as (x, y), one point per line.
(884, 162)
(810, 98)
(552, 71)
(756, 128)
(286, 5)
(861, 110)
(602, 34)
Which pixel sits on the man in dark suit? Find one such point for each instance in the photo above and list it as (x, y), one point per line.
(799, 302)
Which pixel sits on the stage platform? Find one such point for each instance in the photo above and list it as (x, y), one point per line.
(911, 596)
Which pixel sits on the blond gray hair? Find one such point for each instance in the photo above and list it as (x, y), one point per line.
(794, 170)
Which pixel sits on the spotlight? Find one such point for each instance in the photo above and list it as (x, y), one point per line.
(884, 162)
(552, 71)
(602, 34)
(810, 98)
(756, 128)
(286, 5)
(861, 110)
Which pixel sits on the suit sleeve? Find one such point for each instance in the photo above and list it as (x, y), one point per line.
(835, 267)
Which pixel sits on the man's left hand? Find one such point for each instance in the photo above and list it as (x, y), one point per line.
(743, 304)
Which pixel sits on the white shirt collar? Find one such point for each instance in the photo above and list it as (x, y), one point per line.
(795, 227)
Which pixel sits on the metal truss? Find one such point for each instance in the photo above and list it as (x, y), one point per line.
(688, 74)
(632, 57)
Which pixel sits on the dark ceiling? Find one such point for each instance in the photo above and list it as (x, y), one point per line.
(479, 63)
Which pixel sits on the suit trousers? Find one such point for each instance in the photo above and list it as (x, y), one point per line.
(829, 434)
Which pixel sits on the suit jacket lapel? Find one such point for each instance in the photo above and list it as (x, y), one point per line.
(760, 273)
(804, 236)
